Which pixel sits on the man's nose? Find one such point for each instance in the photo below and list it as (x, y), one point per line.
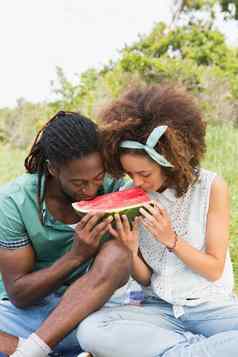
(91, 189)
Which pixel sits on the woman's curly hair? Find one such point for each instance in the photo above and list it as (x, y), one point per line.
(138, 111)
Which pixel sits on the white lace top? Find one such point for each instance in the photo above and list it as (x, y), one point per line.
(172, 280)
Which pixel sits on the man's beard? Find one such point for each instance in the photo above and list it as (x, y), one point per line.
(66, 196)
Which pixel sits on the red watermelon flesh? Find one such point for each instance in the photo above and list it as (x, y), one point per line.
(122, 201)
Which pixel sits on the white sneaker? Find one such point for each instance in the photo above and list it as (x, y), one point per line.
(85, 354)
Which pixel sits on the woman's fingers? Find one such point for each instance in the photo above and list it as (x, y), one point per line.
(148, 215)
(113, 231)
(160, 209)
(119, 225)
(126, 224)
(154, 209)
(135, 224)
(154, 214)
(150, 226)
(163, 212)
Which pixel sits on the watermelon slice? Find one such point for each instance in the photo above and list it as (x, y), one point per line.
(123, 202)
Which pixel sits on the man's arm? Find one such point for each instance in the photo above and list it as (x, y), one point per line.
(25, 287)
(110, 271)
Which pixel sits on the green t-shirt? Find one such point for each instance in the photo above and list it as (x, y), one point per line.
(20, 225)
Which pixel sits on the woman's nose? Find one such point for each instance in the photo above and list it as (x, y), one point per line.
(138, 181)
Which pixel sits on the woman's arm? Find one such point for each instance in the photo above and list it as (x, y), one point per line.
(210, 263)
(130, 238)
(140, 270)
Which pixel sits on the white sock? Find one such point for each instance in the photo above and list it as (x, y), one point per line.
(33, 346)
(20, 341)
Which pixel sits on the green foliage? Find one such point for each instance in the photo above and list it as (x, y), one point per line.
(75, 96)
(193, 53)
(19, 125)
(194, 42)
(229, 7)
(11, 162)
(188, 5)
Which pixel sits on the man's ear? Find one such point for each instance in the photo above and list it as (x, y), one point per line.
(52, 169)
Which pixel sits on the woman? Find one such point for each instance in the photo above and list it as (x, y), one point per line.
(179, 245)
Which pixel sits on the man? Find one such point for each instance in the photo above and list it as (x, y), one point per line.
(55, 268)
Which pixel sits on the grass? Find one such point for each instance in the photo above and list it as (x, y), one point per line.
(11, 163)
(222, 157)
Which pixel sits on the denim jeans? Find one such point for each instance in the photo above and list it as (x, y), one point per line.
(151, 330)
(23, 322)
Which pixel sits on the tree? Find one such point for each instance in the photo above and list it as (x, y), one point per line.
(230, 8)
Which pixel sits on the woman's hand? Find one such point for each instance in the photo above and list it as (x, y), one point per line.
(129, 236)
(157, 221)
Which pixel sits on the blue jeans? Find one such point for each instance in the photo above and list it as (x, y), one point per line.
(23, 322)
(151, 330)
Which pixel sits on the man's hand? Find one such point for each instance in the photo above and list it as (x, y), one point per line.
(87, 235)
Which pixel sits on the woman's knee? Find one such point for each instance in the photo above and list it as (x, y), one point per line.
(90, 334)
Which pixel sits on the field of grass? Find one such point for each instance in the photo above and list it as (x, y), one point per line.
(222, 157)
(11, 163)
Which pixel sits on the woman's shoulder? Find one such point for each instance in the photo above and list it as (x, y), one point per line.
(216, 181)
(205, 179)
(219, 188)
(206, 174)
(214, 184)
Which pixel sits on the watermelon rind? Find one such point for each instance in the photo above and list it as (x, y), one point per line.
(131, 211)
(109, 211)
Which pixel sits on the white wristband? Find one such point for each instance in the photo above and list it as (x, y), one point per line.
(33, 346)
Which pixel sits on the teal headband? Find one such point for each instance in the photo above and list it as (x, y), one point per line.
(151, 142)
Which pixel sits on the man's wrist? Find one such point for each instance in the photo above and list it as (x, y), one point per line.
(74, 259)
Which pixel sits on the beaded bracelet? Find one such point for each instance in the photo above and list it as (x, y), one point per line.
(171, 249)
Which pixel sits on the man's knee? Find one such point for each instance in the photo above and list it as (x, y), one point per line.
(113, 262)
